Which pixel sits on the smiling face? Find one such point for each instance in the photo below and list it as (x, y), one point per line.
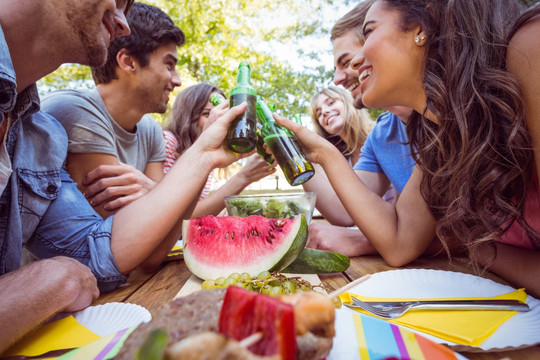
(90, 26)
(345, 49)
(392, 70)
(330, 114)
(158, 79)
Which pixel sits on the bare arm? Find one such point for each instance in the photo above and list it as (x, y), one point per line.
(399, 233)
(328, 202)
(34, 293)
(255, 169)
(523, 54)
(139, 228)
(516, 265)
(346, 241)
(109, 184)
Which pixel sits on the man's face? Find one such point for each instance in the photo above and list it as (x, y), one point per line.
(92, 25)
(157, 80)
(345, 48)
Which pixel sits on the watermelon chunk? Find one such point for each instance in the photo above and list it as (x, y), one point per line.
(219, 246)
(244, 313)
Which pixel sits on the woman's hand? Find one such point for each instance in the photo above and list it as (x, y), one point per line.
(255, 169)
(314, 146)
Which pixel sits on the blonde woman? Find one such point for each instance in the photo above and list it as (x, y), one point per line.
(337, 120)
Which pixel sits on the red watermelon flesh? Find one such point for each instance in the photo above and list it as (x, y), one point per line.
(244, 313)
(219, 246)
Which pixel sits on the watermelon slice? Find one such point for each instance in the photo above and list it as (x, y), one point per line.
(244, 313)
(219, 246)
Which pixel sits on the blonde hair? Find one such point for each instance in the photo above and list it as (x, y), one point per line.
(358, 123)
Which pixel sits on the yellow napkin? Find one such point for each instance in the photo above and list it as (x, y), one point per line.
(466, 327)
(60, 334)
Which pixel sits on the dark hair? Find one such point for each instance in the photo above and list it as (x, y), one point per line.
(353, 20)
(527, 16)
(150, 28)
(187, 109)
(477, 160)
(129, 5)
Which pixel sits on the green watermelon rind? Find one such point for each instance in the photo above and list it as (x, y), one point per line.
(314, 261)
(284, 255)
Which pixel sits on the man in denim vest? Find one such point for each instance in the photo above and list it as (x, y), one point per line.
(41, 208)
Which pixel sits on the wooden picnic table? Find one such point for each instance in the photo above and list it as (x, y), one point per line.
(158, 288)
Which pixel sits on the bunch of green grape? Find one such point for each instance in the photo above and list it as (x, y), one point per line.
(273, 284)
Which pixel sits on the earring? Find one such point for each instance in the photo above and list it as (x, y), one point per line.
(419, 38)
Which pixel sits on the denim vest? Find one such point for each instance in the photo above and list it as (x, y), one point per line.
(41, 207)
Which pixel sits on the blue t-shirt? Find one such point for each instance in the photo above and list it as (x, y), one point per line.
(386, 151)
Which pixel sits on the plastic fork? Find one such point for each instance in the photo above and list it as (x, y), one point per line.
(393, 310)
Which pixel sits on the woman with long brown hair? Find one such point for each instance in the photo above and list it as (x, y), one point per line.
(475, 178)
(189, 115)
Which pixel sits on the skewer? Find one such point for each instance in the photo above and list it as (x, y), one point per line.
(345, 288)
(251, 339)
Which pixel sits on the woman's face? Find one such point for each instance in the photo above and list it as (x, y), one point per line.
(330, 114)
(392, 71)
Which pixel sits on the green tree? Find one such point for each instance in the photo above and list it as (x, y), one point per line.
(221, 33)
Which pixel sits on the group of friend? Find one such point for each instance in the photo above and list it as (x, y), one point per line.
(92, 188)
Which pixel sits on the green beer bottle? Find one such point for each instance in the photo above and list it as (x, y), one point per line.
(241, 136)
(284, 146)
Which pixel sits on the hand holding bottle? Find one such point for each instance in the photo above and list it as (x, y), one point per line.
(211, 141)
(314, 146)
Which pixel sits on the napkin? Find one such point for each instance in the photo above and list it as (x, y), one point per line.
(102, 349)
(362, 337)
(60, 334)
(466, 327)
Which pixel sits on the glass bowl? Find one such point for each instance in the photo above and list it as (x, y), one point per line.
(275, 206)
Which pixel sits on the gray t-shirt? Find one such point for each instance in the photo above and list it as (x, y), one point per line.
(91, 129)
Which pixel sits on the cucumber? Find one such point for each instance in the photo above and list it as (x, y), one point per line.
(313, 261)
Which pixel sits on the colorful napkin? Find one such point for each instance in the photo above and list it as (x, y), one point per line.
(377, 339)
(467, 327)
(103, 349)
(60, 334)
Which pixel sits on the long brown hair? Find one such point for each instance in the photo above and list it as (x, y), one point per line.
(477, 160)
(186, 111)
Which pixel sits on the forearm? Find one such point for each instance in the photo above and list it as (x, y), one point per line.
(152, 217)
(29, 296)
(399, 233)
(520, 267)
(328, 202)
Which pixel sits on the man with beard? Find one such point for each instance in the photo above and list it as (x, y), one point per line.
(35, 38)
(108, 126)
(41, 208)
(384, 158)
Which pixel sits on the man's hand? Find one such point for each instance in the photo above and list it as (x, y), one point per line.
(115, 186)
(212, 139)
(346, 241)
(80, 284)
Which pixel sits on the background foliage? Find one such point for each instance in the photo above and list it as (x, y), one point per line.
(222, 33)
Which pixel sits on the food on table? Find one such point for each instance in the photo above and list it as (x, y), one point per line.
(217, 246)
(313, 261)
(153, 347)
(245, 313)
(199, 313)
(211, 345)
(276, 209)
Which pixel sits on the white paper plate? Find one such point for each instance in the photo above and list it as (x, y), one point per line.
(110, 318)
(521, 330)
